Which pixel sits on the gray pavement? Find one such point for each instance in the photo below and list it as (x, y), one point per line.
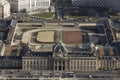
(98, 75)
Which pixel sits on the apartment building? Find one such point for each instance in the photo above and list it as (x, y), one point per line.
(113, 5)
(30, 6)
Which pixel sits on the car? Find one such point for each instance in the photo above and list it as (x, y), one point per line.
(69, 74)
(56, 74)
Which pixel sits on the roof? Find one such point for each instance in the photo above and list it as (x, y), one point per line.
(109, 58)
(38, 54)
(13, 23)
(59, 47)
(106, 51)
(10, 58)
(4, 24)
(94, 39)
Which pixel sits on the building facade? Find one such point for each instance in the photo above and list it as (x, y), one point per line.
(83, 64)
(113, 5)
(10, 62)
(73, 64)
(36, 63)
(63, 60)
(30, 6)
(4, 9)
(108, 63)
(62, 57)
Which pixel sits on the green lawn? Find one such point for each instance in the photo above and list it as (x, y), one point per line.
(44, 15)
(78, 17)
(114, 17)
(91, 19)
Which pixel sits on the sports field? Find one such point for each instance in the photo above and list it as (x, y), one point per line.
(72, 37)
(45, 36)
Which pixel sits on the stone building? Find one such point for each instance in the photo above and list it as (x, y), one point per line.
(108, 63)
(83, 64)
(10, 62)
(62, 59)
(37, 61)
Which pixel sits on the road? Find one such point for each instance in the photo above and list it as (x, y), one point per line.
(99, 75)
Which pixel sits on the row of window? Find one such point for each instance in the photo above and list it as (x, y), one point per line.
(37, 4)
(59, 62)
(10, 63)
(83, 62)
(36, 67)
(43, 4)
(108, 64)
(83, 68)
(43, 64)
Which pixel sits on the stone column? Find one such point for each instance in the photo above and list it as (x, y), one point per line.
(30, 3)
(57, 65)
(35, 3)
(54, 66)
(62, 65)
(66, 65)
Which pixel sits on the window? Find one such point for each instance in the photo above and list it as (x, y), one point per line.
(84, 62)
(77, 62)
(32, 3)
(74, 62)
